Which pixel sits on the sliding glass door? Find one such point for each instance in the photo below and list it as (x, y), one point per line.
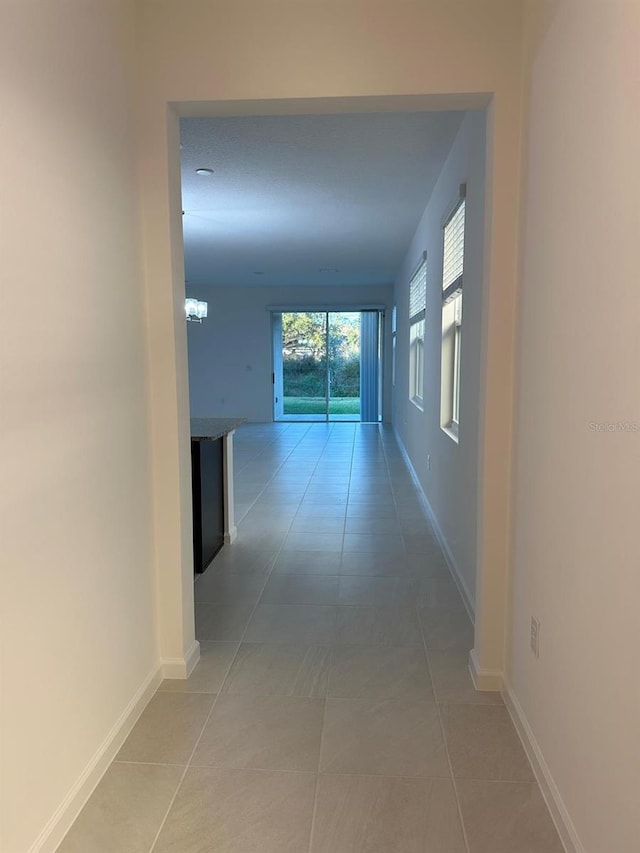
(326, 365)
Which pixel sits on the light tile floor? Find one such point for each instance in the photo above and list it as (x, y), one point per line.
(332, 710)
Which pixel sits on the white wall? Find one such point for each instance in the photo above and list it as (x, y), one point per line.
(78, 613)
(230, 354)
(576, 553)
(452, 481)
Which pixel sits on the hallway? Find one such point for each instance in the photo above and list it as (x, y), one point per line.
(332, 710)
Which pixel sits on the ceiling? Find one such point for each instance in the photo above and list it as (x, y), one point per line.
(307, 200)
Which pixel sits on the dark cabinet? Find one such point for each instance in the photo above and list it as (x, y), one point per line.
(208, 501)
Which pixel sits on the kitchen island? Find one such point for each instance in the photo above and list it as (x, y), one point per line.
(212, 487)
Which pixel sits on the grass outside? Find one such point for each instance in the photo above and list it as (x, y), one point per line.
(317, 405)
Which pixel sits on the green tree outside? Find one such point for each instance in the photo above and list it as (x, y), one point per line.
(304, 349)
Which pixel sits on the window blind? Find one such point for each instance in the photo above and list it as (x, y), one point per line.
(453, 247)
(418, 293)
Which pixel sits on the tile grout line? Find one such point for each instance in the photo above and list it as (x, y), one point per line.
(438, 710)
(257, 497)
(211, 710)
(326, 697)
(444, 738)
(331, 645)
(340, 565)
(317, 784)
(317, 465)
(184, 773)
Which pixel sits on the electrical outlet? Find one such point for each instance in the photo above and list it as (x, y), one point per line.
(535, 637)
(428, 461)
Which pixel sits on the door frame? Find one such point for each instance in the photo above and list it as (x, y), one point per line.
(381, 310)
(161, 223)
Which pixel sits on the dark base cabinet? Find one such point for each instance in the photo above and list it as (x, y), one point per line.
(208, 501)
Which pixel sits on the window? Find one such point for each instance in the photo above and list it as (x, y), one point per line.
(394, 336)
(457, 335)
(417, 313)
(452, 279)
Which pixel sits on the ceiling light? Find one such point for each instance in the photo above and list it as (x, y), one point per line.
(205, 172)
(195, 310)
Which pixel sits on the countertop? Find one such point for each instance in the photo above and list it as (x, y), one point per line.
(211, 429)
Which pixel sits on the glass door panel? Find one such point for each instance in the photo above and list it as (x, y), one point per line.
(344, 365)
(304, 365)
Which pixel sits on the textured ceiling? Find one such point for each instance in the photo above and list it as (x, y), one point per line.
(293, 195)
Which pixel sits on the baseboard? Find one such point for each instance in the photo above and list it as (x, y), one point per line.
(459, 581)
(559, 814)
(444, 545)
(484, 679)
(60, 822)
(181, 667)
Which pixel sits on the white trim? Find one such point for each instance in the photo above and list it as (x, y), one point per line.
(331, 308)
(455, 288)
(231, 535)
(463, 589)
(230, 529)
(181, 667)
(423, 258)
(60, 822)
(418, 292)
(484, 679)
(559, 813)
(452, 430)
(461, 196)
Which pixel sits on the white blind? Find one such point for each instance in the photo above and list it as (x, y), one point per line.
(453, 247)
(418, 293)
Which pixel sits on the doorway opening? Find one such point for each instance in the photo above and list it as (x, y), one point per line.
(326, 365)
